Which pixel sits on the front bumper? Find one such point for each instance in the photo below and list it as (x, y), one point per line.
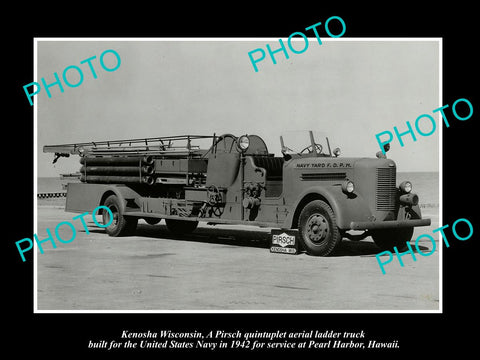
(393, 224)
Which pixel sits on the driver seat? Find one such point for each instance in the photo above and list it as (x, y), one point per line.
(272, 165)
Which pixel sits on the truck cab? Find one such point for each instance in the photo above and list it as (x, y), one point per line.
(333, 195)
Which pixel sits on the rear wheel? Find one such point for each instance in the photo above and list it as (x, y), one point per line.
(120, 225)
(181, 226)
(319, 233)
(386, 239)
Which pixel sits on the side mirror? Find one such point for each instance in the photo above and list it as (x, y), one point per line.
(336, 152)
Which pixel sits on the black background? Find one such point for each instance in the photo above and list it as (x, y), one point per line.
(68, 334)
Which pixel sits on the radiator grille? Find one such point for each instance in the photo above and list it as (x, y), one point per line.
(386, 189)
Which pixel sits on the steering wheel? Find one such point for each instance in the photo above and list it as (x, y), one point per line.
(310, 149)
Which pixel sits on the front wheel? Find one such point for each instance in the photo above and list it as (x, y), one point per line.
(120, 225)
(386, 239)
(319, 233)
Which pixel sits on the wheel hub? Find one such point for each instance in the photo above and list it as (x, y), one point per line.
(115, 213)
(317, 228)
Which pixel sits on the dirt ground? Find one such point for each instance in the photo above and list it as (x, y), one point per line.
(221, 268)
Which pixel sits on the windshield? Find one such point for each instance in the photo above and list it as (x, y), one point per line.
(302, 142)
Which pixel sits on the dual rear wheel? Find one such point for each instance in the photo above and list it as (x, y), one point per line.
(120, 225)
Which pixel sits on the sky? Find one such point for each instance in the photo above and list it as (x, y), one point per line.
(349, 89)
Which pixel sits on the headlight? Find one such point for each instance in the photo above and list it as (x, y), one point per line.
(406, 187)
(243, 143)
(348, 187)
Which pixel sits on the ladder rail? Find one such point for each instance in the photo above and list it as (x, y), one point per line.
(149, 145)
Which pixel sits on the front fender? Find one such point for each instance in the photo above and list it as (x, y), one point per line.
(346, 208)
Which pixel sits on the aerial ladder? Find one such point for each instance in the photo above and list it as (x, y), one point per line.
(167, 159)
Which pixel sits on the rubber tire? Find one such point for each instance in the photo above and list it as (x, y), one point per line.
(386, 239)
(152, 221)
(123, 225)
(333, 236)
(181, 226)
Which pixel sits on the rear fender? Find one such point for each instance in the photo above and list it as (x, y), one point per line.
(83, 197)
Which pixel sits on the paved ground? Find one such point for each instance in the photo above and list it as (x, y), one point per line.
(221, 268)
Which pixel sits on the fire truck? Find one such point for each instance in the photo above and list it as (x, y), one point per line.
(227, 179)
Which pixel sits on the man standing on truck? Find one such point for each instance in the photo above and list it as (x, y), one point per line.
(383, 155)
